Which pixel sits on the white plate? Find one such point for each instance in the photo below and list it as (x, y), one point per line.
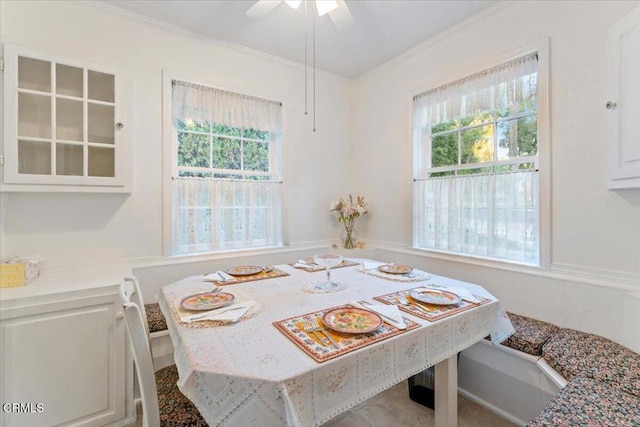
(435, 297)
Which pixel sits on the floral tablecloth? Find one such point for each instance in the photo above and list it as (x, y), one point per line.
(249, 373)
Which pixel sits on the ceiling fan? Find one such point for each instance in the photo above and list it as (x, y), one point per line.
(336, 9)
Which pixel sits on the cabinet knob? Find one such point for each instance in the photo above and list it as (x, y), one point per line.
(120, 315)
(610, 105)
(120, 125)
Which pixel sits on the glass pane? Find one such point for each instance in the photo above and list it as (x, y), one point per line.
(439, 174)
(477, 145)
(34, 157)
(256, 134)
(476, 119)
(225, 130)
(517, 138)
(69, 80)
(227, 176)
(521, 95)
(69, 119)
(100, 86)
(441, 127)
(193, 150)
(226, 153)
(256, 156)
(194, 125)
(101, 123)
(474, 171)
(101, 161)
(34, 74)
(34, 115)
(69, 159)
(194, 174)
(444, 150)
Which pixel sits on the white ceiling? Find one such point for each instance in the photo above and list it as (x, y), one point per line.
(382, 30)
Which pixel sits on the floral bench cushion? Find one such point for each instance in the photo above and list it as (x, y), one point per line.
(155, 318)
(573, 353)
(586, 402)
(530, 334)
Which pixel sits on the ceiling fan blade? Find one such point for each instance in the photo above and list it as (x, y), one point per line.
(261, 8)
(341, 16)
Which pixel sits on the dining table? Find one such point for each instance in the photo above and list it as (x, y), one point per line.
(251, 373)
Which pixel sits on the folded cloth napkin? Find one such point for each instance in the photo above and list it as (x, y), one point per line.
(461, 292)
(370, 265)
(389, 313)
(219, 276)
(303, 264)
(231, 313)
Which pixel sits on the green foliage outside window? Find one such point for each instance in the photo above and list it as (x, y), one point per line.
(214, 146)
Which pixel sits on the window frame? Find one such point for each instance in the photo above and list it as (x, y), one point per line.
(170, 160)
(422, 156)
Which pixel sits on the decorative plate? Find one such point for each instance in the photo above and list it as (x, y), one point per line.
(395, 269)
(207, 301)
(435, 297)
(352, 320)
(244, 270)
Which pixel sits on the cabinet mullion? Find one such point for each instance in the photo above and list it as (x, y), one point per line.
(85, 122)
(54, 119)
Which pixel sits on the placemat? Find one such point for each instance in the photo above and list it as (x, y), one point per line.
(307, 342)
(177, 311)
(270, 274)
(414, 276)
(345, 263)
(434, 312)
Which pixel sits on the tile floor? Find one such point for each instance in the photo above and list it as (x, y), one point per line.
(394, 408)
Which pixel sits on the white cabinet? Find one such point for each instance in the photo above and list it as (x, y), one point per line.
(64, 358)
(624, 103)
(65, 124)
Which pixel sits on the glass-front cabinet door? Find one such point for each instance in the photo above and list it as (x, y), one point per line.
(65, 124)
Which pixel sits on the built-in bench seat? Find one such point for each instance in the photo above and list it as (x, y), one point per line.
(578, 354)
(587, 402)
(155, 318)
(530, 335)
(603, 377)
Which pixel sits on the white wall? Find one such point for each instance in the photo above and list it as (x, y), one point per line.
(595, 233)
(89, 228)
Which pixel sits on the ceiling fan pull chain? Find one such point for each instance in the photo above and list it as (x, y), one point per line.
(314, 71)
(306, 44)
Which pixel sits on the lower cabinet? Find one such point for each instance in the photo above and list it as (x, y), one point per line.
(64, 360)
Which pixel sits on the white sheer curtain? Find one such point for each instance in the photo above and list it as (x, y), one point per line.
(206, 104)
(221, 214)
(490, 90)
(495, 214)
(212, 214)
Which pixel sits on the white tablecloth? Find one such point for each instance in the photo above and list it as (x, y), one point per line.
(250, 374)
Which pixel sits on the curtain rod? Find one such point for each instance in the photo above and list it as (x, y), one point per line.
(222, 91)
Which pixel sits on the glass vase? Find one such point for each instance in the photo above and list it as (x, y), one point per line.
(349, 239)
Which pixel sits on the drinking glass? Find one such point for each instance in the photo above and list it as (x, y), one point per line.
(327, 261)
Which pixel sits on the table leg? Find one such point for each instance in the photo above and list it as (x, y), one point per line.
(446, 392)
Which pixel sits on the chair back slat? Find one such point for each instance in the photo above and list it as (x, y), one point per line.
(139, 342)
(131, 287)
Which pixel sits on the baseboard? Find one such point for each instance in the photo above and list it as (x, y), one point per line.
(492, 408)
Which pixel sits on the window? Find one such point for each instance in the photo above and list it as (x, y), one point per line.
(226, 175)
(476, 168)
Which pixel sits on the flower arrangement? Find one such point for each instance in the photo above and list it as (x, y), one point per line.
(348, 211)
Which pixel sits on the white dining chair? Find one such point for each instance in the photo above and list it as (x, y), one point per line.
(131, 289)
(162, 402)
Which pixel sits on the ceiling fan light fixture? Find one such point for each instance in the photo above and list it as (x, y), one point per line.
(325, 6)
(294, 4)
